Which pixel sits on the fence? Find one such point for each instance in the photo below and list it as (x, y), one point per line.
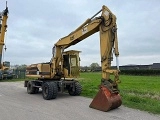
(19, 74)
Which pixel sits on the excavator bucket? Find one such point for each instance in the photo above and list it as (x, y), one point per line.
(105, 100)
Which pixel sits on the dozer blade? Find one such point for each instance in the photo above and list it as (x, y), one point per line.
(105, 100)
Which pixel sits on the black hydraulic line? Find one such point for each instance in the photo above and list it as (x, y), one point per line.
(96, 14)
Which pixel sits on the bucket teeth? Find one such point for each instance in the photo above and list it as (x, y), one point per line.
(105, 100)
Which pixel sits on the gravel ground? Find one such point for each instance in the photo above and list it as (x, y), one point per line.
(16, 104)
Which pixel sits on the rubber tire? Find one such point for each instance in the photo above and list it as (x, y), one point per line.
(78, 90)
(30, 88)
(55, 90)
(49, 90)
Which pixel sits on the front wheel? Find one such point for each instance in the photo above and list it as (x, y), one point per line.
(49, 90)
(76, 91)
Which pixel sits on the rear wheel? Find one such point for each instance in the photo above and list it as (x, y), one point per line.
(49, 90)
(31, 89)
(76, 91)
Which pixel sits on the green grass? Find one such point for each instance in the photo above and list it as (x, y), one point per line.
(140, 92)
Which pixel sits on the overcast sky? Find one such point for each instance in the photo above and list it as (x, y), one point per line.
(34, 26)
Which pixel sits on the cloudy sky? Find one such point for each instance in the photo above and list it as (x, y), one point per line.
(35, 25)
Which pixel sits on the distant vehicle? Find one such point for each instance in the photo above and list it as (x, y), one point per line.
(6, 74)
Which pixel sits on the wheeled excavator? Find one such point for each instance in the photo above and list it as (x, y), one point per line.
(4, 66)
(60, 74)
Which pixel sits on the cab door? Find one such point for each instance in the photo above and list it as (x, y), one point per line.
(74, 65)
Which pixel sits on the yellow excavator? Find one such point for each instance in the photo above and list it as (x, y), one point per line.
(4, 66)
(61, 72)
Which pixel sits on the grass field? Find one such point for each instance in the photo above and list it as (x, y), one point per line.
(140, 92)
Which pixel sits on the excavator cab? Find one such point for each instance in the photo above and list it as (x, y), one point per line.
(71, 65)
